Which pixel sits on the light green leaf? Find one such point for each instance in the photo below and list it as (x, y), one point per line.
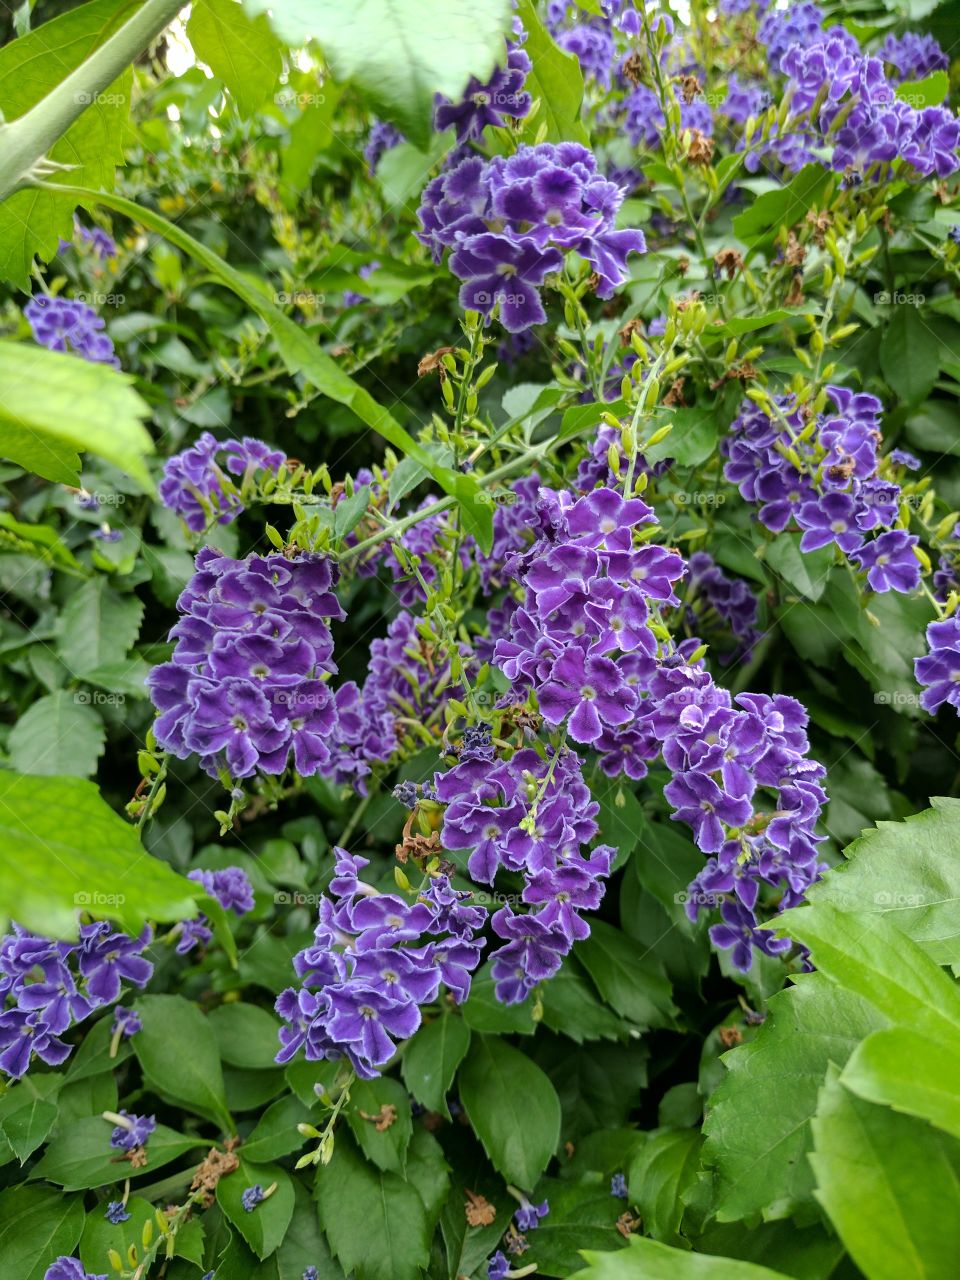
(57, 736)
(97, 627)
(32, 221)
(431, 1058)
(37, 1226)
(193, 1079)
(692, 439)
(275, 1133)
(928, 92)
(906, 1071)
(263, 1227)
(375, 1222)
(758, 1121)
(63, 849)
(908, 872)
(28, 1111)
(399, 52)
(649, 1260)
(890, 1185)
(247, 1035)
(240, 50)
(556, 80)
(783, 207)
(806, 571)
(40, 540)
(661, 1172)
(513, 1108)
(80, 1156)
(54, 405)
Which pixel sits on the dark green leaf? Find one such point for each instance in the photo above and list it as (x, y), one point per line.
(431, 1058)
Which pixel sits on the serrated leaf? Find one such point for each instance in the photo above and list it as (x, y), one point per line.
(53, 406)
(63, 849)
(275, 1133)
(32, 221)
(757, 1126)
(626, 977)
(898, 1068)
(875, 1167)
(264, 1226)
(431, 1058)
(380, 1118)
(57, 736)
(663, 1169)
(247, 1036)
(909, 359)
(240, 50)
(37, 1226)
(556, 81)
(805, 571)
(97, 627)
(400, 53)
(513, 1107)
(28, 1111)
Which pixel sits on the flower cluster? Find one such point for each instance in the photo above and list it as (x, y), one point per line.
(826, 481)
(509, 222)
(63, 324)
(939, 669)
(231, 888)
(50, 986)
(383, 137)
(502, 97)
(375, 959)
(530, 816)
(351, 298)
(245, 689)
(197, 487)
(730, 598)
(64, 1268)
(913, 56)
(101, 243)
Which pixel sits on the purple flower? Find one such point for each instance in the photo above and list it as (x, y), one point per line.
(383, 137)
(832, 518)
(64, 1268)
(133, 1133)
(62, 324)
(938, 670)
(698, 801)
(116, 1212)
(502, 98)
(196, 485)
(618, 1186)
(251, 1197)
(126, 1021)
(498, 1267)
(913, 55)
(890, 563)
(496, 271)
(528, 1216)
(106, 957)
(902, 458)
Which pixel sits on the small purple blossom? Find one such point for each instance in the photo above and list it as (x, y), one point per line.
(134, 1131)
(251, 1197)
(63, 324)
(117, 1212)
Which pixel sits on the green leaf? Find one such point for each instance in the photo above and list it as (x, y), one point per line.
(909, 357)
(783, 207)
(431, 1058)
(692, 439)
(626, 977)
(97, 627)
(869, 955)
(369, 1109)
(806, 571)
(908, 872)
(556, 81)
(41, 540)
(28, 1111)
(429, 1172)
(399, 52)
(58, 735)
(348, 512)
(375, 1222)
(935, 427)
(928, 92)
(238, 49)
(32, 221)
(582, 1215)
(649, 1260)
(758, 1121)
(275, 1133)
(101, 1235)
(63, 849)
(54, 406)
(572, 1006)
(484, 1012)
(661, 1172)
(909, 1072)
(193, 1079)
(37, 1226)
(890, 1185)
(301, 355)
(247, 1036)
(513, 1107)
(263, 1227)
(80, 1156)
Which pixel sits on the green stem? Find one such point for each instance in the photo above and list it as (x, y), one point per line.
(25, 141)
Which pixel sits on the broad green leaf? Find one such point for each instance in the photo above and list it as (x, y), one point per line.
(263, 1227)
(869, 955)
(661, 1172)
(303, 1246)
(738, 325)
(32, 221)
(303, 356)
(431, 1058)
(649, 1260)
(376, 1223)
(784, 207)
(310, 135)
(556, 81)
(935, 427)
(583, 1215)
(428, 1171)
(28, 1111)
(403, 171)
(908, 872)
(97, 627)
(890, 1185)
(571, 1005)
(58, 735)
(626, 977)
(805, 1253)
(275, 1133)
(513, 1107)
(692, 438)
(484, 1012)
(381, 1120)
(37, 1226)
(247, 1035)
(906, 1071)
(909, 355)
(194, 1079)
(598, 1084)
(63, 849)
(54, 406)
(805, 571)
(240, 50)
(928, 92)
(80, 1156)
(101, 1235)
(758, 1121)
(399, 52)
